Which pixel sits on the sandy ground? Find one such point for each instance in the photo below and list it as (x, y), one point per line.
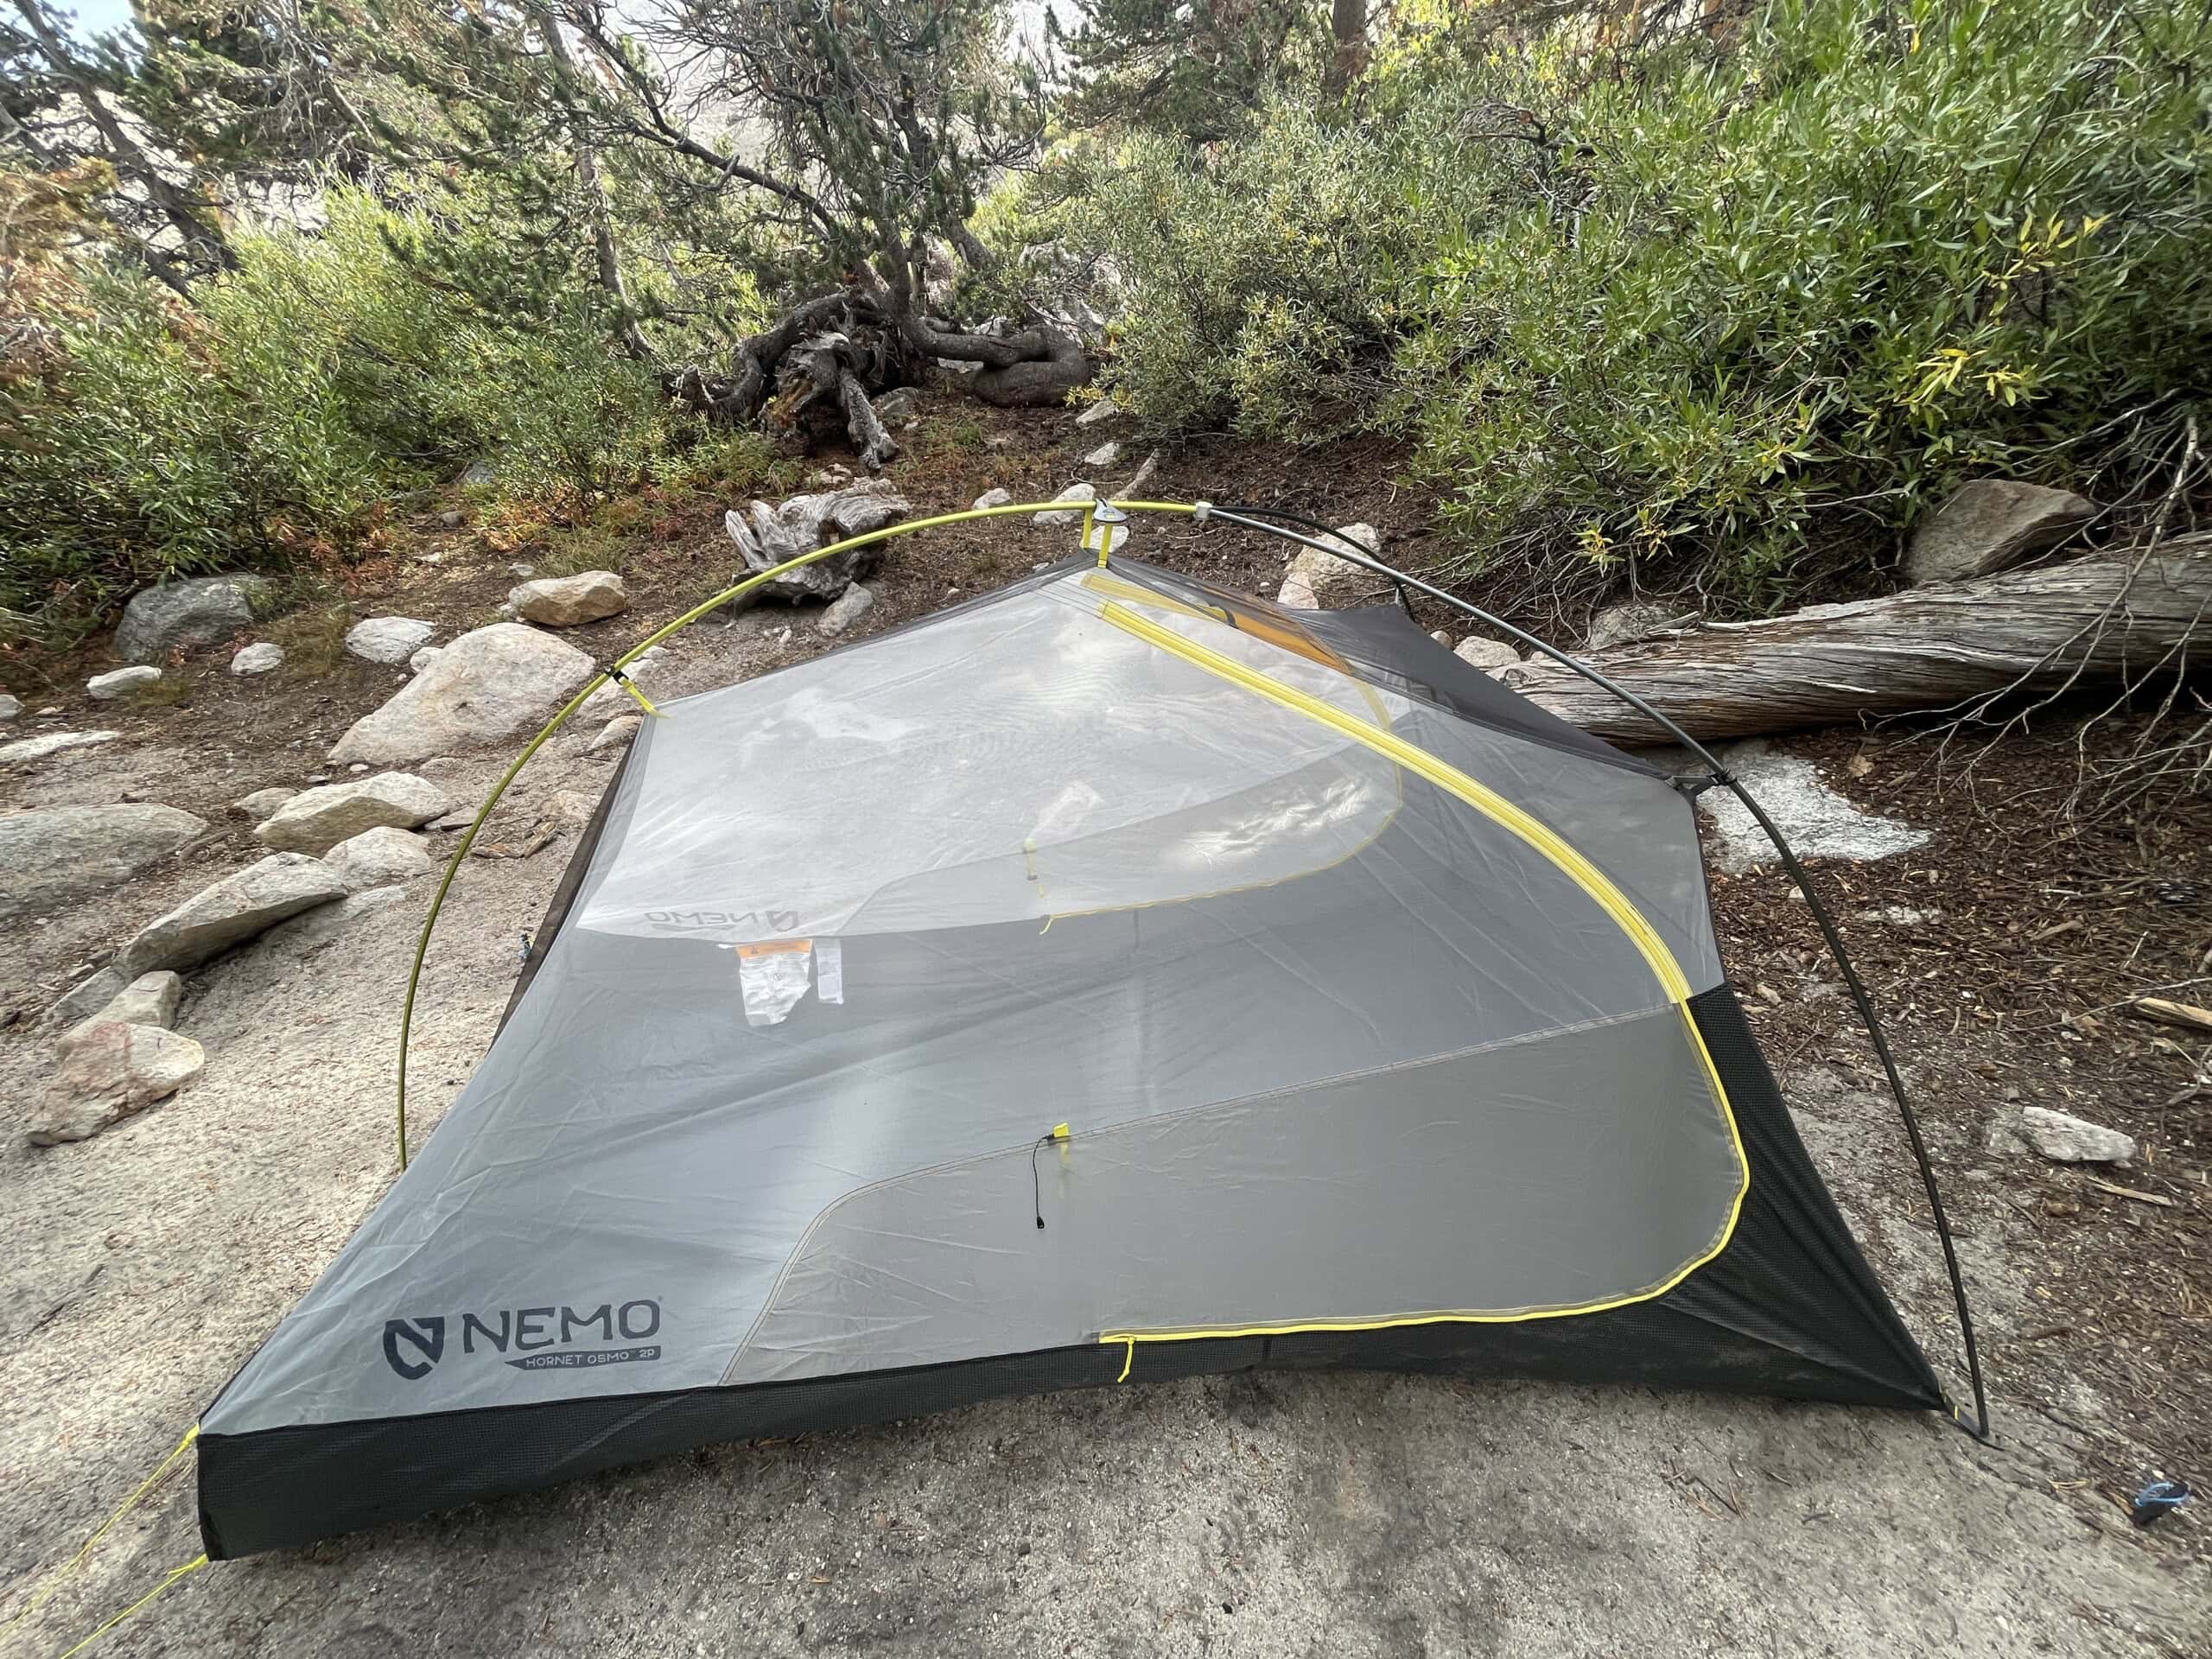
(1245, 1514)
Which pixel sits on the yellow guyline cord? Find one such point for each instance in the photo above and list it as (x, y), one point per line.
(468, 837)
(60, 1574)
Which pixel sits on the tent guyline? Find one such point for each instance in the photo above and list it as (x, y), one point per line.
(1389, 1005)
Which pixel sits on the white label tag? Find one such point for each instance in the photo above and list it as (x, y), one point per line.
(830, 969)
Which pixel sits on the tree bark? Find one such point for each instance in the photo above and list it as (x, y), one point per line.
(2094, 619)
(605, 257)
(876, 445)
(1348, 24)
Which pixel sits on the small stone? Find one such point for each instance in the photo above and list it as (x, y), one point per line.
(109, 1074)
(387, 639)
(1441, 638)
(570, 602)
(1106, 455)
(120, 681)
(9, 707)
(1486, 654)
(854, 605)
(263, 802)
(574, 807)
(1052, 517)
(616, 733)
(25, 750)
(231, 911)
(997, 497)
(380, 858)
(421, 659)
(480, 473)
(1990, 524)
(87, 996)
(149, 1000)
(452, 518)
(521, 571)
(318, 819)
(2068, 1140)
(258, 659)
(181, 615)
(1318, 581)
(1901, 916)
(784, 638)
(897, 406)
(1100, 412)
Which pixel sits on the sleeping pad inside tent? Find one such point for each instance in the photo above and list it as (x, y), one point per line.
(1110, 980)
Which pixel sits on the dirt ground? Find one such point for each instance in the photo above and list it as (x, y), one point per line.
(1247, 1514)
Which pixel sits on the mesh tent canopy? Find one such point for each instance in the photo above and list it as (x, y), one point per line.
(1113, 978)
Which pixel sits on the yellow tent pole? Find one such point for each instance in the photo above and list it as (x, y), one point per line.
(468, 836)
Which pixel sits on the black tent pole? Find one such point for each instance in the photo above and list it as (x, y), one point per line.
(1337, 545)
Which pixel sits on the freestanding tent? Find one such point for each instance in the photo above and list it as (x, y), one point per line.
(1113, 979)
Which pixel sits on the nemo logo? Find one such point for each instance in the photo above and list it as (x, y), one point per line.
(426, 1336)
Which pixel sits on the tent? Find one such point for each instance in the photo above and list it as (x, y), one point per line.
(1112, 979)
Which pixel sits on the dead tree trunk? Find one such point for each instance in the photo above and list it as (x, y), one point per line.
(2093, 620)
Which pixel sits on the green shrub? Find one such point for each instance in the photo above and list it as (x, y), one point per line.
(1697, 307)
(276, 418)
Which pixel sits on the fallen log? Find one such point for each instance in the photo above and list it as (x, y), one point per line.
(2094, 619)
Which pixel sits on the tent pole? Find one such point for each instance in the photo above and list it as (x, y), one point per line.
(1978, 1426)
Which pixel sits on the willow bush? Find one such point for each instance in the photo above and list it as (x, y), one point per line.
(1705, 305)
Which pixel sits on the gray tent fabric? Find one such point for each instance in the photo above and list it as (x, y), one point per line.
(1107, 964)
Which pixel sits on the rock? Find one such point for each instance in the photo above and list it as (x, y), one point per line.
(445, 765)
(9, 707)
(1099, 413)
(107, 1074)
(180, 615)
(989, 498)
(259, 804)
(1106, 455)
(2068, 1140)
(387, 639)
(1486, 654)
(316, 820)
(1318, 581)
(1138, 480)
(485, 687)
(258, 659)
(1818, 822)
(570, 602)
(617, 732)
(25, 750)
(57, 855)
(1637, 620)
(807, 522)
(1073, 493)
(1990, 524)
(1901, 916)
(452, 518)
(522, 572)
(855, 604)
(305, 934)
(231, 911)
(87, 996)
(651, 671)
(897, 406)
(479, 474)
(421, 659)
(1441, 638)
(380, 858)
(120, 681)
(149, 1000)
(572, 807)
